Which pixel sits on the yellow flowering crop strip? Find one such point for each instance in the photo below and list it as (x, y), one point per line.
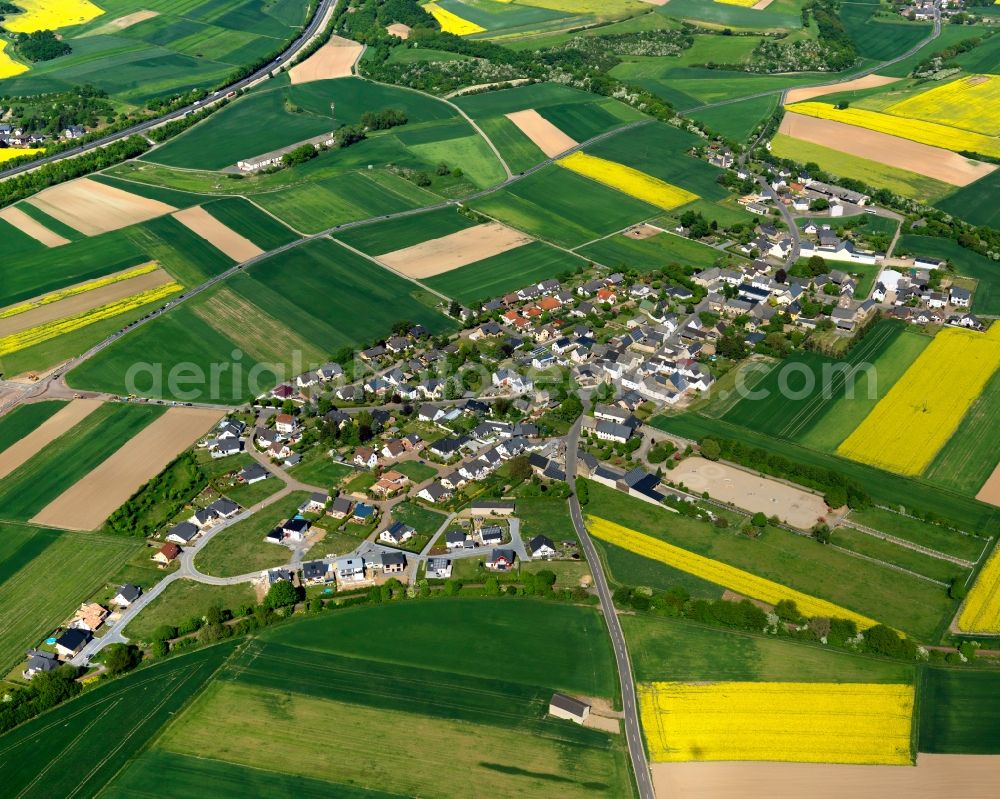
(627, 180)
(730, 577)
(42, 15)
(8, 69)
(860, 723)
(36, 335)
(971, 103)
(930, 133)
(452, 23)
(10, 153)
(79, 288)
(743, 3)
(907, 427)
(981, 611)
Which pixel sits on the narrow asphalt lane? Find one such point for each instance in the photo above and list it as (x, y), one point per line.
(633, 730)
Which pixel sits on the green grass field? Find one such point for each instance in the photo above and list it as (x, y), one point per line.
(562, 207)
(900, 181)
(508, 271)
(986, 298)
(471, 637)
(397, 234)
(24, 419)
(906, 603)
(240, 548)
(970, 455)
(870, 546)
(876, 38)
(70, 566)
(517, 150)
(311, 299)
(967, 547)
(972, 202)
(34, 484)
(884, 487)
(320, 470)
(416, 471)
(817, 400)
(89, 740)
(959, 712)
(651, 253)
(185, 599)
(780, 14)
(248, 220)
(677, 649)
(737, 120)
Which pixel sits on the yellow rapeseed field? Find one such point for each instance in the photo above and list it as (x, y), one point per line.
(730, 577)
(8, 69)
(981, 611)
(931, 133)
(627, 180)
(744, 3)
(452, 23)
(42, 15)
(10, 153)
(36, 335)
(971, 103)
(860, 723)
(79, 288)
(907, 427)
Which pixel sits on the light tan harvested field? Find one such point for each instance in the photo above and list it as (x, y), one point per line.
(122, 23)
(43, 435)
(399, 29)
(656, 2)
(335, 59)
(27, 225)
(760, 6)
(642, 231)
(548, 137)
(923, 159)
(202, 223)
(79, 303)
(794, 506)
(809, 92)
(934, 776)
(89, 501)
(990, 491)
(93, 208)
(449, 252)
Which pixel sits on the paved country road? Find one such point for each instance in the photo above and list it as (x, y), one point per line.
(633, 730)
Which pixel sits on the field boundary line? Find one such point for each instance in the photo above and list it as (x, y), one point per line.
(888, 565)
(918, 519)
(381, 265)
(275, 218)
(933, 553)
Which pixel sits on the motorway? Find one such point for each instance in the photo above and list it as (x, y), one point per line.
(633, 730)
(315, 25)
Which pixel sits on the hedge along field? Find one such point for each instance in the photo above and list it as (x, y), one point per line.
(676, 649)
(34, 484)
(660, 150)
(88, 740)
(319, 205)
(900, 181)
(959, 712)
(564, 208)
(986, 298)
(505, 272)
(472, 637)
(309, 298)
(651, 253)
(884, 487)
(235, 132)
(397, 234)
(70, 566)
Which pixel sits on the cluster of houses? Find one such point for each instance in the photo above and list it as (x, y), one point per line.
(18, 136)
(185, 532)
(79, 631)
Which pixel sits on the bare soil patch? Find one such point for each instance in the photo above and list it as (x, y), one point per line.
(661, 2)
(642, 231)
(37, 231)
(48, 431)
(974, 776)
(793, 506)
(548, 137)
(399, 29)
(809, 92)
(79, 303)
(122, 23)
(89, 501)
(990, 491)
(94, 208)
(760, 6)
(923, 159)
(202, 223)
(449, 252)
(335, 59)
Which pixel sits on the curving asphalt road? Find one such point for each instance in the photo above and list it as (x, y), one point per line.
(314, 26)
(633, 729)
